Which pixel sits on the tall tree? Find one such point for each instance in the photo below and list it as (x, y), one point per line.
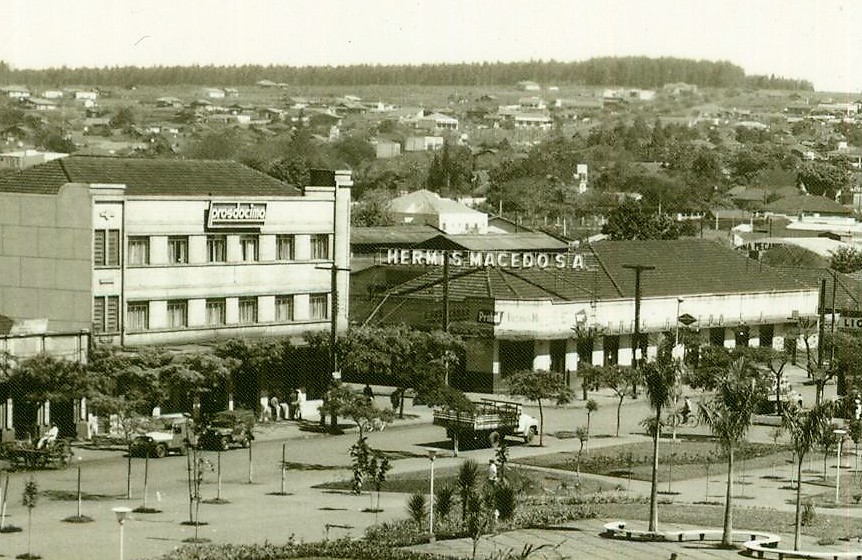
(805, 428)
(622, 381)
(538, 385)
(728, 414)
(660, 380)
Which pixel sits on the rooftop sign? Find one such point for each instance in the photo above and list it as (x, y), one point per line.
(236, 214)
(499, 259)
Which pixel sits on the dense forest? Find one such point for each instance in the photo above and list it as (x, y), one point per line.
(639, 72)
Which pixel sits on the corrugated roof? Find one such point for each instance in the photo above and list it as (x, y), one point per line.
(848, 290)
(148, 177)
(791, 205)
(524, 241)
(392, 235)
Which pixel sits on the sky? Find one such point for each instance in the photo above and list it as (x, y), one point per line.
(817, 40)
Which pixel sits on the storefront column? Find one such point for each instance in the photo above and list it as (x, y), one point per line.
(652, 347)
(730, 339)
(598, 351)
(7, 428)
(541, 355)
(495, 365)
(754, 336)
(571, 354)
(626, 353)
(778, 338)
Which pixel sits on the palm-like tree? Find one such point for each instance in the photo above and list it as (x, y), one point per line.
(728, 414)
(805, 428)
(660, 380)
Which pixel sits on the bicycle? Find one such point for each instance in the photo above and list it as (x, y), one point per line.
(678, 420)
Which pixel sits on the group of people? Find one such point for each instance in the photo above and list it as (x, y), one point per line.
(274, 409)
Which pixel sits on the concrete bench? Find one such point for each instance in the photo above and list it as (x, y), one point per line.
(757, 544)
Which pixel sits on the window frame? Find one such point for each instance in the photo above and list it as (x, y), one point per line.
(249, 238)
(137, 306)
(326, 306)
(103, 325)
(285, 238)
(130, 252)
(213, 241)
(109, 241)
(181, 241)
(182, 303)
(279, 300)
(315, 245)
(212, 303)
(253, 303)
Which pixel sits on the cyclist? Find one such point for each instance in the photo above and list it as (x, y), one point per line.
(686, 410)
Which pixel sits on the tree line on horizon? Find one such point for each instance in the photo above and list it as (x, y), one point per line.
(633, 71)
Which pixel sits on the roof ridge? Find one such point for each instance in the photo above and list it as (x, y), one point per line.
(537, 285)
(65, 171)
(606, 271)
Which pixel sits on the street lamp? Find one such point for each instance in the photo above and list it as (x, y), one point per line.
(679, 301)
(432, 454)
(122, 514)
(840, 433)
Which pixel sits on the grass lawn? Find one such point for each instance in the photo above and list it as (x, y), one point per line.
(526, 481)
(680, 460)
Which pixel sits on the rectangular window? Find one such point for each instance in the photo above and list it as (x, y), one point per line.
(106, 314)
(215, 312)
(216, 248)
(106, 247)
(248, 245)
(284, 308)
(139, 250)
(248, 310)
(178, 249)
(284, 247)
(320, 246)
(178, 313)
(138, 316)
(319, 306)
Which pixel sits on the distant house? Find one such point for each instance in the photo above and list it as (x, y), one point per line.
(231, 92)
(214, 93)
(386, 149)
(39, 104)
(532, 103)
(173, 102)
(423, 143)
(526, 85)
(52, 94)
(802, 206)
(84, 95)
(424, 207)
(528, 120)
(437, 122)
(27, 158)
(15, 92)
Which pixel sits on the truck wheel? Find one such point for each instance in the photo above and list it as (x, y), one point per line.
(494, 439)
(530, 435)
(161, 451)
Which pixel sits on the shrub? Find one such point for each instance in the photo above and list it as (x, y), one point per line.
(416, 507)
(444, 499)
(505, 501)
(808, 514)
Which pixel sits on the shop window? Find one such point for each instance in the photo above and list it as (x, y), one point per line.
(248, 310)
(138, 316)
(516, 355)
(216, 248)
(284, 308)
(178, 314)
(215, 309)
(741, 335)
(319, 304)
(284, 247)
(249, 247)
(106, 247)
(716, 336)
(320, 247)
(767, 333)
(178, 249)
(139, 250)
(585, 350)
(106, 314)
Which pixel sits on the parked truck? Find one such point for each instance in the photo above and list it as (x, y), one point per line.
(486, 423)
(174, 434)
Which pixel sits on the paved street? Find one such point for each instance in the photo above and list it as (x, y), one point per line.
(255, 515)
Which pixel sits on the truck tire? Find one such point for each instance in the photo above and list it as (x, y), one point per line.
(494, 439)
(530, 435)
(161, 451)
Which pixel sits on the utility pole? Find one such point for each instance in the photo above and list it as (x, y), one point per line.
(445, 291)
(821, 310)
(636, 336)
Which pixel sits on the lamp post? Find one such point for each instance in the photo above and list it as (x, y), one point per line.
(432, 454)
(679, 301)
(840, 433)
(122, 514)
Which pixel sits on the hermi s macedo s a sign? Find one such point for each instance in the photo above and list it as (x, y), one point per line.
(499, 259)
(236, 214)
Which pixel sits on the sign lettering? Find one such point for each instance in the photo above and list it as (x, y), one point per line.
(236, 214)
(486, 259)
(489, 317)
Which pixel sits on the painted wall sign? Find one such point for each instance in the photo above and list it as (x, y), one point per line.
(236, 214)
(499, 259)
(489, 317)
(850, 323)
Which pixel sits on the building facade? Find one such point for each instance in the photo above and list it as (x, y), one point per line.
(146, 252)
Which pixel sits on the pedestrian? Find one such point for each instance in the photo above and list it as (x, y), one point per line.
(368, 392)
(293, 404)
(395, 399)
(49, 437)
(273, 403)
(686, 410)
(492, 471)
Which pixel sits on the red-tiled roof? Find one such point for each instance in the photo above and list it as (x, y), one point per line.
(682, 267)
(148, 177)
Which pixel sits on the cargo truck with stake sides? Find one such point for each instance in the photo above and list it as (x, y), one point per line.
(487, 422)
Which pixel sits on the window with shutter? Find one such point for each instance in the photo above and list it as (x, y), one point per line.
(99, 247)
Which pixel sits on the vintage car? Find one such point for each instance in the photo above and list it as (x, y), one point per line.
(175, 434)
(228, 428)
